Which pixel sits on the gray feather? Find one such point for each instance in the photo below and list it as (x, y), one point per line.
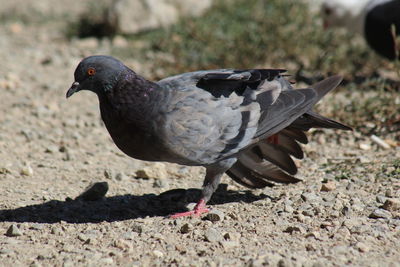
(326, 85)
(245, 176)
(287, 108)
(276, 156)
(296, 134)
(288, 145)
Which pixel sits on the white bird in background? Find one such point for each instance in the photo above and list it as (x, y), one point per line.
(377, 20)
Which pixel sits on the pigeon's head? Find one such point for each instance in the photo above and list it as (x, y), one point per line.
(98, 74)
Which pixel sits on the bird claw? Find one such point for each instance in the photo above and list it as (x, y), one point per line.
(199, 209)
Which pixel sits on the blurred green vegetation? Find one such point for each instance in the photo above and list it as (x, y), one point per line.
(277, 34)
(249, 33)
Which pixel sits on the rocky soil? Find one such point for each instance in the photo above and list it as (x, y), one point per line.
(345, 212)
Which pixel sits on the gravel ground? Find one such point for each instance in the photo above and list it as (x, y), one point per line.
(345, 212)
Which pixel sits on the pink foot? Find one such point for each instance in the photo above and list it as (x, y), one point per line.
(197, 211)
(273, 139)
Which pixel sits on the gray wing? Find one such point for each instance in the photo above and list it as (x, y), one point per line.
(201, 129)
(212, 115)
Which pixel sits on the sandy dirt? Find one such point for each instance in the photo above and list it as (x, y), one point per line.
(51, 149)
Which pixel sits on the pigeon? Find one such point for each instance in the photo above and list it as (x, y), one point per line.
(378, 21)
(245, 123)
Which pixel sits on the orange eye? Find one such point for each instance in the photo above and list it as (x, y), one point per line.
(91, 71)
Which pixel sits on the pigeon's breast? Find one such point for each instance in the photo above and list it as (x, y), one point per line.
(140, 144)
(131, 140)
(130, 136)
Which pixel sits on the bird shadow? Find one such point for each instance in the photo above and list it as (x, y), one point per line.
(123, 207)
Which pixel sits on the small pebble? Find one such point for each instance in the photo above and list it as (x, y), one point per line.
(229, 244)
(300, 217)
(94, 192)
(335, 214)
(232, 236)
(363, 159)
(51, 149)
(343, 232)
(292, 229)
(213, 235)
(389, 192)
(121, 176)
(391, 204)
(309, 213)
(350, 186)
(283, 263)
(345, 211)
(288, 208)
(4, 170)
(106, 261)
(364, 146)
(138, 228)
(158, 236)
(68, 263)
(362, 247)
(160, 183)
(311, 247)
(90, 241)
(158, 253)
(215, 215)
(67, 156)
(122, 244)
(380, 213)
(13, 230)
(26, 170)
(35, 263)
(130, 235)
(351, 222)
(155, 171)
(329, 186)
(309, 197)
(109, 174)
(56, 231)
(380, 199)
(314, 234)
(186, 228)
(82, 237)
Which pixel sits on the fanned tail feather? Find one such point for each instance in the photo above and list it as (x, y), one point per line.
(265, 162)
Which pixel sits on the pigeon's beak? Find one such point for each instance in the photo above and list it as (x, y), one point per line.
(73, 89)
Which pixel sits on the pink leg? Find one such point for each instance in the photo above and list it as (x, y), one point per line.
(197, 211)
